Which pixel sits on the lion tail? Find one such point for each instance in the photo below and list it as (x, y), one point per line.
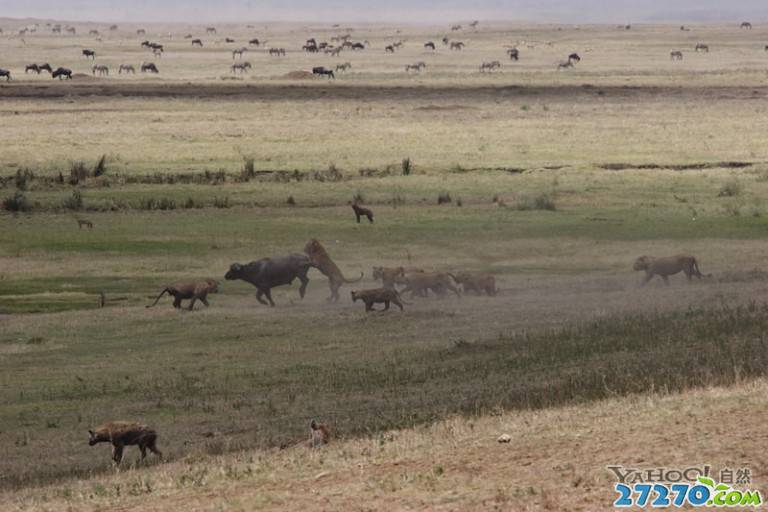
(166, 290)
(350, 281)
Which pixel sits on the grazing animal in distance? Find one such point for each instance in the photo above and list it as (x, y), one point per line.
(361, 211)
(565, 65)
(455, 28)
(141, 32)
(4, 73)
(71, 30)
(254, 42)
(89, 54)
(667, 266)
(45, 67)
(62, 73)
(490, 66)
(241, 66)
(358, 46)
(745, 24)
(229, 40)
(514, 54)
(128, 68)
(101, 69)
(238, 52)
(277, 51)
(389, 49)
(574, 58)
(195, 290)
(701, 47)
(378, 296)
(319, 434)
(343, 67)
(268, 273)
(32, 67)
(123, 433)
(457, 45)
(197, 42)
(210, 30)
(84, 222)
(319, 259)
(429, 45)
(320, 71)
(476, 282)
(149, 67)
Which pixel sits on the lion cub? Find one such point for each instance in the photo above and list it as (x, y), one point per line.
(378, 295)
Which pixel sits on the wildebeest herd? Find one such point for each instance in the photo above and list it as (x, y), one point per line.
(333, 47)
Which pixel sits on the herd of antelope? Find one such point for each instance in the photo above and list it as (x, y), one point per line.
(333, 47)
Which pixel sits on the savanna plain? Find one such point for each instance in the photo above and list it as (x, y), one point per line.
(553, 180)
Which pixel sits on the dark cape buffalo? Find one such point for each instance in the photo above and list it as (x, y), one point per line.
(267, 273)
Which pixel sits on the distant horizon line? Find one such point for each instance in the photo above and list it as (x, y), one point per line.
(28, 19)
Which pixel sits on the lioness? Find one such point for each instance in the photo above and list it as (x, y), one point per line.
(476, 282)
(195, 290)
(376, 296)
(667, 266)
(390, 276)
(319, 259)
(420, 283)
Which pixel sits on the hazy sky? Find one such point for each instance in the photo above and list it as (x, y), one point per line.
(416, 11)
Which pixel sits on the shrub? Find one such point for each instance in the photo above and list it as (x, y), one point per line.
(22, 179)
(221, 202)
(77, 172)
(730, 188)
(16, 203)
(444, 198)
(74, 201)
(248, 171)
(406, 166)
(291, 201)
(539, 202)
(101, 166)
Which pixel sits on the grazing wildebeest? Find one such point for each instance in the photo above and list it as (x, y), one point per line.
(229, 40)
(145, 44)
(242, 67)
(320, 70)
(311, 42)
(445, 40)
(429, 45)
(574, 58)
(457, 45)
(334, 51)
(254, 42)
(210, 30)
(197, 42)
(514, 54)
(93, 32)
(101, 69)
(128, 68)
(701, 47)
(358, 46)
(71, 30)
(676, 55)
(268, 273)
(489, 66)
(32, 67)
(310, 48)
(4, 73)
(149, 66)
(157, 48)
(389, 49)
(113, 27)
(474, 24)
(343, 67)
(277, 51)
(454, 28)
(238, 52)
(89, 54)
(141, 32)
(62, 73)
(747, 25)
(55, 30)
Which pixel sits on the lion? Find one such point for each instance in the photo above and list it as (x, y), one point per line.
(476, 282)
(195, 290)
(667, 266)
(390, 276)
(320, 259)
(421, 283)
(122, 434)
(377, 296)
